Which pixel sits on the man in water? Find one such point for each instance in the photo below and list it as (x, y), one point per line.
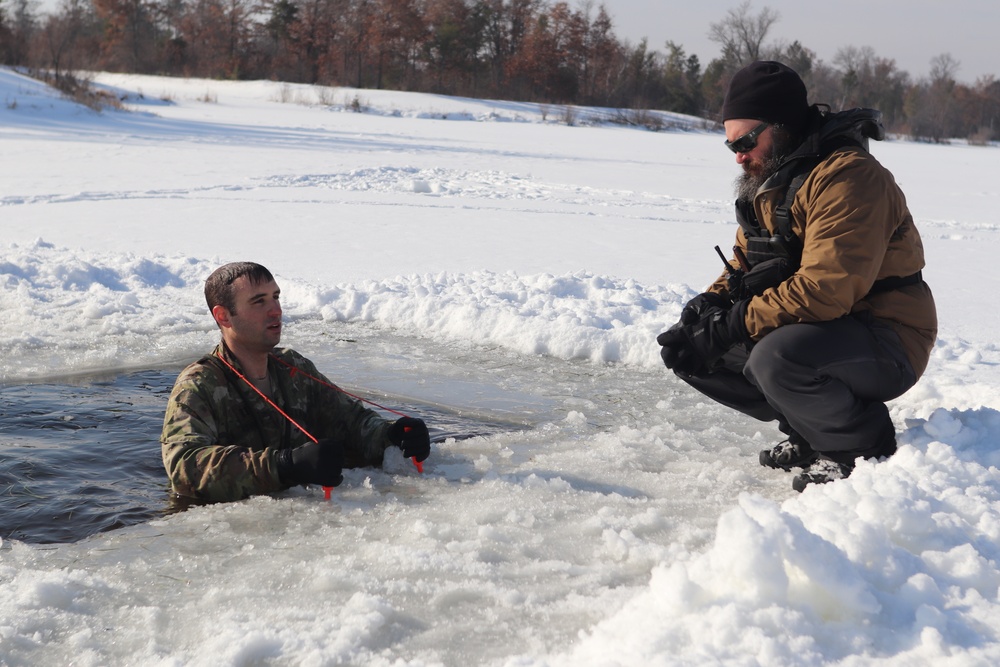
(823, 314)
(251, 418)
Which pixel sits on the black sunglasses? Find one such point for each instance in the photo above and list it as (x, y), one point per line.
(748, 141)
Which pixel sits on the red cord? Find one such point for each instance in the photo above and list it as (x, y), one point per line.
(326, 489)
(295, 369)
(269, 401)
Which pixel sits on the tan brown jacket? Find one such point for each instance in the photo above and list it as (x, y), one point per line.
(855, 229)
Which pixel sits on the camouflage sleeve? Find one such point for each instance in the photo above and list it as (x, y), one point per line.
(197, 463)
(362, 430)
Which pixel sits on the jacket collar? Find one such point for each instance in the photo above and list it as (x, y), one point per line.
(826, 133)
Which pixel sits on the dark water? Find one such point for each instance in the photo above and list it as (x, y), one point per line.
(84, 457)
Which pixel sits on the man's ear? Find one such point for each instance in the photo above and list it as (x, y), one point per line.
(221, 316)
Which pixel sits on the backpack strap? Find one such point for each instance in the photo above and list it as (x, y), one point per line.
(801, 171)
(782, 212)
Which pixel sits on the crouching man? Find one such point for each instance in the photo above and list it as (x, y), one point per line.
(823, 314)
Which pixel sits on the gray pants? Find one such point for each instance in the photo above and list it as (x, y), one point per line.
(826, 381)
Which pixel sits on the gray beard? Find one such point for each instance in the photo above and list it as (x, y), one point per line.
(747, 183)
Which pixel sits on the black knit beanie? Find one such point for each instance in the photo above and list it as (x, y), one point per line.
(768, 91)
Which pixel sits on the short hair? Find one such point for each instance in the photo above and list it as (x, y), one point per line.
(219, 285)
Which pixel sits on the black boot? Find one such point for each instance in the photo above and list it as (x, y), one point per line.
(792, 453)
(838, 465)
(822, 471)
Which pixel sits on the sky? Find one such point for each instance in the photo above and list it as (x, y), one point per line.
(912, 32)
(490, 261)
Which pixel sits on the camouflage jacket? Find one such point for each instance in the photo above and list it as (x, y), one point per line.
(220, 437)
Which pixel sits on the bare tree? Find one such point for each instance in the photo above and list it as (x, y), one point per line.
(870, 81)
(741, 34)
(983, 110)
(397, 27)
(306, 33)
(930, 105)
(452, 45)
(530, 50)
(18, 26)
(607, 58)
(506, 25)
(6, 37)
(61, 34)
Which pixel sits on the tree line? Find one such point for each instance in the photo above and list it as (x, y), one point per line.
(526, 50)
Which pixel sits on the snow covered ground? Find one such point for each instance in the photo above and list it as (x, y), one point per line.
(486, 257)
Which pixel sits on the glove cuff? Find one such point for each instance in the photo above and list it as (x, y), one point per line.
(736, 323)
(285, 466)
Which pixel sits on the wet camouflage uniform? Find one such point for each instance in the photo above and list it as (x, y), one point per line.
(219, 436)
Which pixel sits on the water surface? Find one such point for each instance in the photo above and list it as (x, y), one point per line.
(82, 456)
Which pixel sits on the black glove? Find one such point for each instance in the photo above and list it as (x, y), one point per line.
(411, 436)
(312, 463)
(691, 349)
(696, 307)
(676, 353)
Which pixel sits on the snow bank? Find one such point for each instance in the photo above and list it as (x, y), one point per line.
(72, 311)
(896, 565)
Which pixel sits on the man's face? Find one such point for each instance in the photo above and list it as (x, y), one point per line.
(255, 322)
(753, 161)
(760, 162)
